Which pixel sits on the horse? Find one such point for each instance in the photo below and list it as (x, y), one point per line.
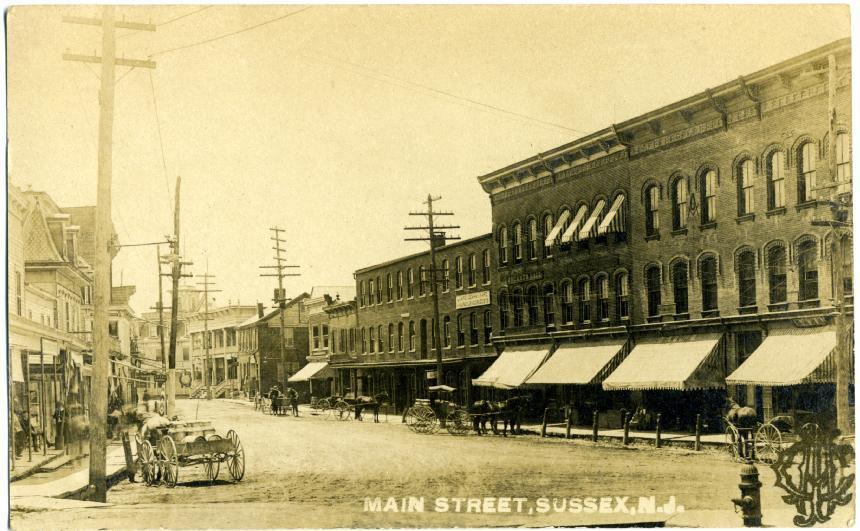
(744, 418)
(372, 404)
(483, 411)
(511, 411)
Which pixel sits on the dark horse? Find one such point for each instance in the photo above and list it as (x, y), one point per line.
(483, 411)
(744, 418)
(509, 411)
(371, 404)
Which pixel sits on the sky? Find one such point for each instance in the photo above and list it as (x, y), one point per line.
(334, 122)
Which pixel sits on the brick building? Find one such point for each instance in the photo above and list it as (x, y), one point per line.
(393, 348)
(646, 262)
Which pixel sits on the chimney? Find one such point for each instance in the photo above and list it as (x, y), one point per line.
(260, 310)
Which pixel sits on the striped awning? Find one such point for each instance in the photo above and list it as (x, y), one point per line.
(572, 231)
(309, 371)
(589, 228)
(790, 357)
(513, 367)
(678, 363)
(613, 221)
(556, 229)
(579, 364)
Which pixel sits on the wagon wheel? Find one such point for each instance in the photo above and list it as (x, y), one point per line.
(768, 443)
(732, 440)
(410, 419)
(324, 406)
(213, 464)
(236, 457)
(426, 421)
(147, 463)
(342, 410)
(169, 461)
(458, 422)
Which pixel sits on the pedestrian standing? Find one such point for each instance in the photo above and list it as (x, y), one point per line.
(294, 401)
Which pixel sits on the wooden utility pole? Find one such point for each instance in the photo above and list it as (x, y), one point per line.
(176, 274)
(280, 298)
(160, 308)
(103, 236)
(435, 238)
(208, 365)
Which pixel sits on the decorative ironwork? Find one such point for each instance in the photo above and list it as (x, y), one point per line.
(812, 472)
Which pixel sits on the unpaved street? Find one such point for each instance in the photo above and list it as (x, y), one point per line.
(310, 472)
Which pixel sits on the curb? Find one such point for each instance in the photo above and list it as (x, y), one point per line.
(35, 468)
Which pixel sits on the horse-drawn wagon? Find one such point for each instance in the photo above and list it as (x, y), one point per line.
(426, 414)
(346, 407)
(162, 451)
(747, 438)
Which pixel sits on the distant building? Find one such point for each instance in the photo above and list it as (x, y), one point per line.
(222, 365)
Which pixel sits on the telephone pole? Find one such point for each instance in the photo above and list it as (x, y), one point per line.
(280, 298)
(103, 236)
(208, 365)
(435, 238)
(159, 306)
(175, 274)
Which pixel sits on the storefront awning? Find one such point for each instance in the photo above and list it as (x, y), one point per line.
(613, 221)
(582, 364)
(587, 229)
(790, 357)
(513, 367)
(677, 363)
(574, 225)
(309, 371)
(553, 234)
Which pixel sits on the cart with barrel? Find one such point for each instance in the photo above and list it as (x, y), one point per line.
(426, 415)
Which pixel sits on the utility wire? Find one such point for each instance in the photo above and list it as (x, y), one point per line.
(160, 141)
(213, 39)
(166, 22)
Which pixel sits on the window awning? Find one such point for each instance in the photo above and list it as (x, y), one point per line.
(790, 357)
(614, 219)
(556, 229)
(309, 371)
(573, 228)
(513, 367)
(582, 364)
(678, 363)
(585, 233)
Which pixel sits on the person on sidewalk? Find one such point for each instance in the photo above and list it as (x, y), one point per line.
(294, 400)
(20, 436)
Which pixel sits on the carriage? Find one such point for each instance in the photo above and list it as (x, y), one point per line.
(426, 414)
(763, 442)
(347, 407)
(164, 450)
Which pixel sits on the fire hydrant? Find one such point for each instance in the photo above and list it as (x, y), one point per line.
(750, 500)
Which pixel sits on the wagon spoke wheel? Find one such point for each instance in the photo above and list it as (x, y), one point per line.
(732, 441)
(236, 457)
(342, 410)
(458, 422)
(169, 461)
(410, 420)
(426, 421)
(325, 408)
(213, 464)
(768, 443)
(147, 462)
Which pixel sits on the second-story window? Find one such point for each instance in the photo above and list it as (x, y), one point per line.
(446, 271)
(843, 163)
(567, 302)
(410, 282)
(372, 292)
(776, 273)
(503, 245)
(806, 172)
(679, 286)
(411, 336)
(461, 333)
(316, 333)
(746, 279)
(517, 300)
(379, 339)
(518, 241)
(422, 281)
(807, 271)
(400, 285)
(584, 289)
(485, 266)
(549, 305)
(547, 228)
(680, 205)
(372, 339)
(776, 180)
(534, 305)
(379, 290)
(446, 331)
(652, 283)
(602, 288)
(400, 337)
(473, 269)
(458, 272)
(533, 239)
(709, 196)
(488, 327)
(503, 310)
(473, 329)
(622, 301)
(710, 299)
(390, 337)
(389, 288)
(652, 210)
(746, 187)
(324, 335)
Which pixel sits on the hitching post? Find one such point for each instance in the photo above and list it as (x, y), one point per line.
(626, 423)
(657, 441)
(594, 427)
(698, 432)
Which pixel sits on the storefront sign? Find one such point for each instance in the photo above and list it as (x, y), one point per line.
(470, 300)
(431, 375)
(50, 347)
(519, 278)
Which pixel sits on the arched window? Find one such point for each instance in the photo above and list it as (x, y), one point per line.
(680, 203)
(488, 327)
(400, 285)
(410, 283)
(601, 286)
(806, 172)
(503, 245)
(446, 274)
(776, 274)
(379, 289)
(458, 272)
(517, 299)
(547, 228)
(652, 210)
(533, 305)
(461, 333)
(746, 279)
(412, 336)
(652, 282)
(708, 268)
(400, 337)
(518, 241)
(372, 339)
(622, 297)
(776, 180)
(584, 291)
(533, 239)
(679, 287)
(389, 288)
(807, 271)
(843, 163)
(503, 310)
(708, 186)
(422, 281)
(473, 269)
(446, 332)
(473, 329)
(379, 338)
(372, 292)
(549, 304)
(567, 302)
(746, 187)
(390, 337)
(485, 266)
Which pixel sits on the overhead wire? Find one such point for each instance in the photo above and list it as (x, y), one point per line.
(160, 142)
(166, 22)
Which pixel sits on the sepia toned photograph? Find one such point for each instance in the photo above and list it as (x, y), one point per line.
(429, 266)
